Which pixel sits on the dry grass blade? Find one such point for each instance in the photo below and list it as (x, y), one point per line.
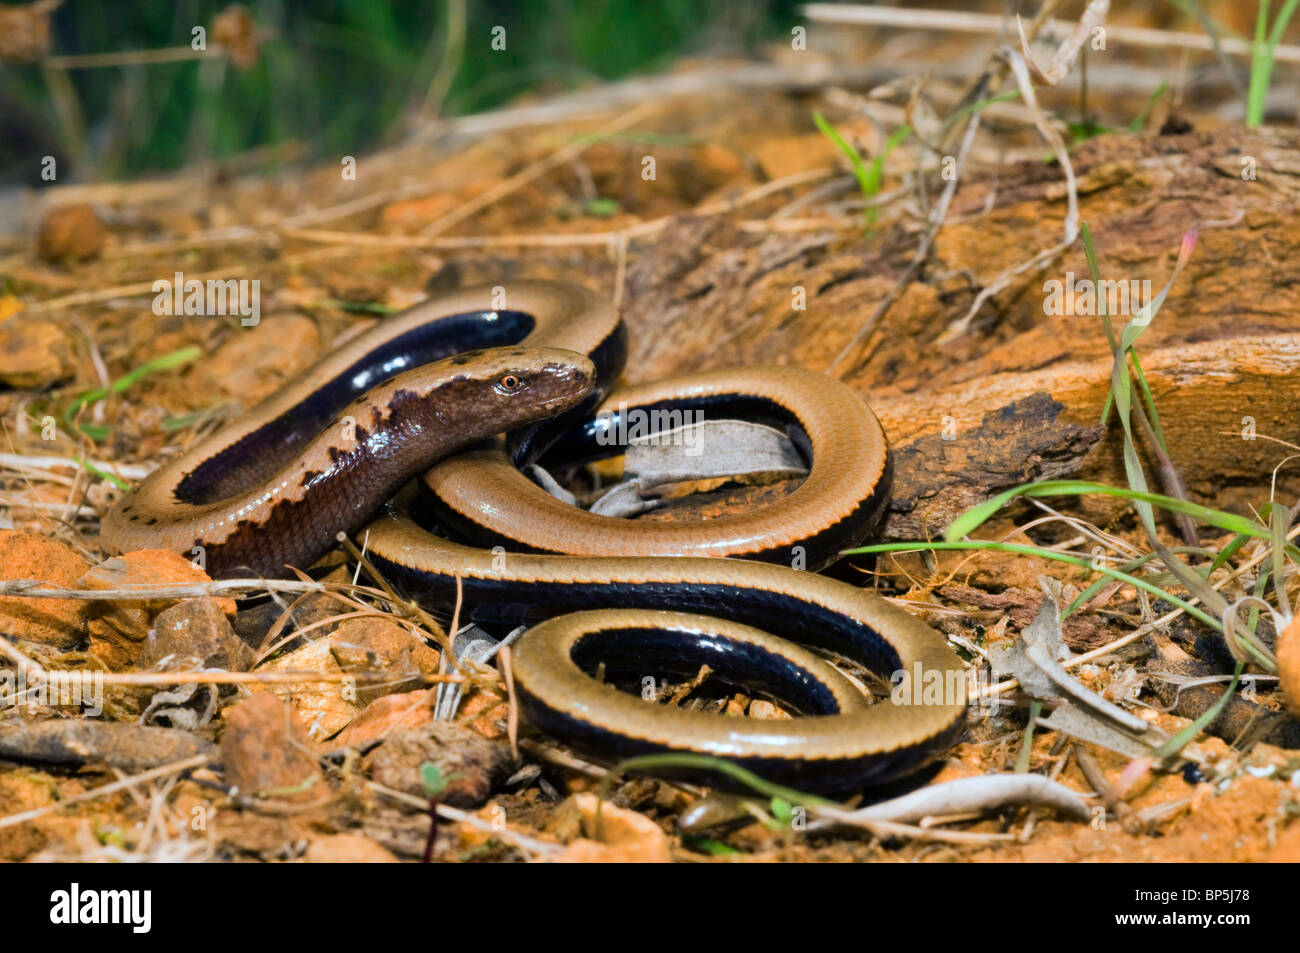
(124, 784)
(993, 24)
(1070, 224)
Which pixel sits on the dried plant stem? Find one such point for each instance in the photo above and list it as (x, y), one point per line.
(609, 237)
(993, 24)
(170, 54)
(188, 764)
(502, 833)
(537, 169)
(38, 589)
(1145, 629)
(265, 678)
(410, 606)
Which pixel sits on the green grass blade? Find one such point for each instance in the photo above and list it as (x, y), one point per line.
(1279, 521)
(1261, 60)
(979, 514)
(102, 474)
(868, 176)
(650, 762)
(1140, 120)
(1188, 734)
(165, 362)
(833, 134)
(876, 171)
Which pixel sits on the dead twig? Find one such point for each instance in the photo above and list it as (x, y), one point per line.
(175, 767)
(1071, 223)
(537, 169)
(500, 832)
(992, 24)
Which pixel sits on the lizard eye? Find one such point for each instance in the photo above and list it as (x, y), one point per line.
(508, 384)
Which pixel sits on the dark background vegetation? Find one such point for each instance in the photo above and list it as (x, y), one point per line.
(339, 76)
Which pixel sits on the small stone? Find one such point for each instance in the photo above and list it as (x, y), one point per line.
(57, 622)
(365, 289)
(324, 706)
(24, 33)
(33, 355)
(472, 765)
(265, 751)
(384, 716)
(70, 233)
(234, 31)
(347, 849)
(761, 708)
(485, 709)
(255, 361)
(625, 836)
(269, 836)
(118, 628)
(375, 645)
(196, 628)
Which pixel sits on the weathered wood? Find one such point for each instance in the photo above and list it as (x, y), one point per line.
(1222, 356)
(1207, 395)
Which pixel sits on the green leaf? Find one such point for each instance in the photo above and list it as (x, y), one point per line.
(783, 811)
(601, 208)
(434, 781)
(166, 362)
(707, 845)
(868, 177)
(833, 134)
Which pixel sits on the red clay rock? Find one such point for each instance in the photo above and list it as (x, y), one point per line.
(382, 646)
(384, 716)
(347, 849)
(33, 354)
(485, 709)
(265, 751)
(1288, 664)
(70, 233)
(625, 837)
(58, 622)
(255, 361)
(119, 627)
(472, 764)
(196, 628)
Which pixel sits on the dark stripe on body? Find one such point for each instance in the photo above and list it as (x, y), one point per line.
(519, 602)
(814, 775)
(259, 454)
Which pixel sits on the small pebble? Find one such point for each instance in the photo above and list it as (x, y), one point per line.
(70, 233)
